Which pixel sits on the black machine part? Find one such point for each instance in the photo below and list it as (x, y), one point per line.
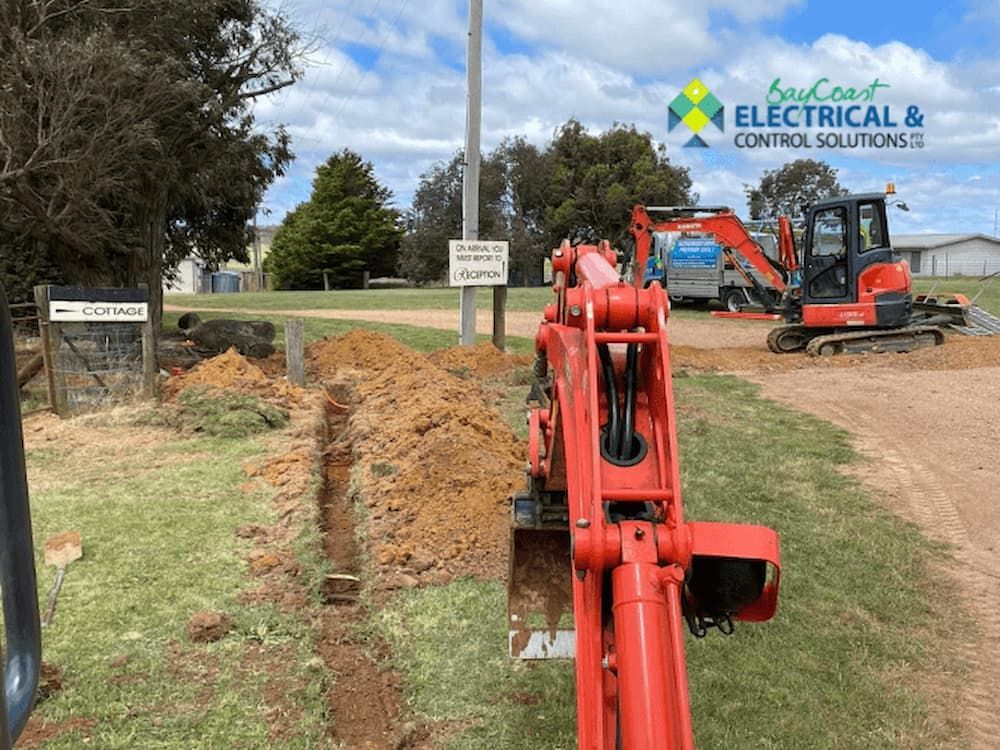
(17, 561)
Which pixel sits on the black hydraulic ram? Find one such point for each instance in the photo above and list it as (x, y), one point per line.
(23, 641)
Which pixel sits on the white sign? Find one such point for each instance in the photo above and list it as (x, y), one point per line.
(65, 311)
(477, 262)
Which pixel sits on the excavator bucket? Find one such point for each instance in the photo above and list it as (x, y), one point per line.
(539, 587)
(735, 568)
(961, 313)
(955, 306)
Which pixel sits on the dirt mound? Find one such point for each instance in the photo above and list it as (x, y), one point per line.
(361, 349)
(233, 372)
(958, 353)
(437, 462)
(481, 361)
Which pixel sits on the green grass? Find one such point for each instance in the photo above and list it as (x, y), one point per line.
(989, 300)
(531, 299)
(158, 525)
(857, 626)
(518, 298)
(417, 337)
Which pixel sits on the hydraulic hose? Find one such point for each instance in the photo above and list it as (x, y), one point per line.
(628, 423)
(613, 439)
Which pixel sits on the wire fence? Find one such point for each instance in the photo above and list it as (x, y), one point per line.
(98, 364)
(24, 316)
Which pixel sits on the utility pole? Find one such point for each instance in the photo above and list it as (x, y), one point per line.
(470, 178)
(996, 221)
(258, 276)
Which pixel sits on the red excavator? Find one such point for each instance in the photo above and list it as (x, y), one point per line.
(604, 566)
(855, 293)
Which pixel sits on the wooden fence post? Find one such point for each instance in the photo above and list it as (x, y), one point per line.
(295, 351)
(500, 317)
(150, 362)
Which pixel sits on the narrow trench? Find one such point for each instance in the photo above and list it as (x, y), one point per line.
(365, 700)
(336, 514)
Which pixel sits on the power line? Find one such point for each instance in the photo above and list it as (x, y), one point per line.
(311, 86)
(378, 52)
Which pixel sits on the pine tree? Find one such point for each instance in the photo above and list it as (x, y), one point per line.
(345, 228)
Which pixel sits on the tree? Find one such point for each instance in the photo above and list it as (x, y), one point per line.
(436, 216)
(596, 179)
(527, 173)
(786, 191)
(148, 149)
(345, 228)
(534, 198)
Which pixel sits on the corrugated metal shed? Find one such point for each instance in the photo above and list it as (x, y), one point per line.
(949, 254)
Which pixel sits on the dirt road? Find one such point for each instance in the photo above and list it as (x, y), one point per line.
(932, 437)
(707, 333)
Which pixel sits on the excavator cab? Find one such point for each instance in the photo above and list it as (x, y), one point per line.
(851, 275)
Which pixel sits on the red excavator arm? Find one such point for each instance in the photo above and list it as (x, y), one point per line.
(604, 485)
(787, 256)
(728, 232)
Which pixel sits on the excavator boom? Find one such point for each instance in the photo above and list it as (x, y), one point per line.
(602, 524)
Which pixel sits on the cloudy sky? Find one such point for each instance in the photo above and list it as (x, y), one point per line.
(387, 79)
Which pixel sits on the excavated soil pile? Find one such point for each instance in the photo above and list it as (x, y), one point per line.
(437, 462)
(361, 350)
(481, 361)
(233, 372)
(958, 353)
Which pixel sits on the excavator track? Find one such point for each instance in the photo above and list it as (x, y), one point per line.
(875, 341)
(785, 339)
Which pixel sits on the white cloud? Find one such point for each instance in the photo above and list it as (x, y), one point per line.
(408, 109)
(642, 36)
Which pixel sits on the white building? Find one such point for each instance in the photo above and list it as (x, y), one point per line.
(949, 254)
(189, 278)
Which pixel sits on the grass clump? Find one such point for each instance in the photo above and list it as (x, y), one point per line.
(225, 414)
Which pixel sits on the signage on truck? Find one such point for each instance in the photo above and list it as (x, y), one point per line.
(477, 262)
(694, 253)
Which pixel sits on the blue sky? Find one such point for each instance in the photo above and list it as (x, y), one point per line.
(386, 78)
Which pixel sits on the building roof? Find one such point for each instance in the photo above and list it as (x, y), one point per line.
(934, 241)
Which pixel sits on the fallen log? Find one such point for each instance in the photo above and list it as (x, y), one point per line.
(252, 338)
(30, 368)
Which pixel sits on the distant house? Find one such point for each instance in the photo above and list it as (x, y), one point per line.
(949, 254)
